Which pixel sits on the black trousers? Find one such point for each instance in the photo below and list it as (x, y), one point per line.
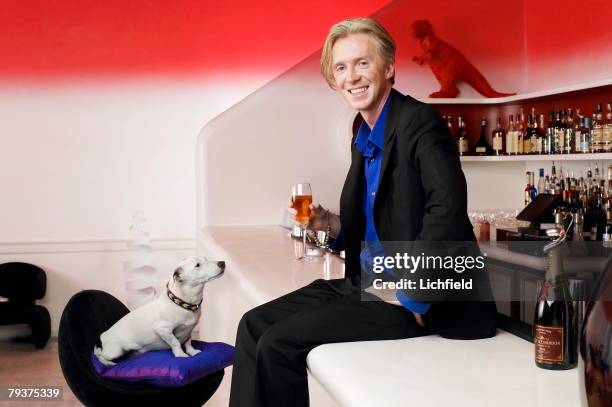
(274, 339)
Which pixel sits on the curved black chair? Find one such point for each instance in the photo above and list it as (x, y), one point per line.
(86, 316)
(23, 284)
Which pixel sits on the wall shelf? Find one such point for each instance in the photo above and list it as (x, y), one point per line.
(552, 157)
(519, 97)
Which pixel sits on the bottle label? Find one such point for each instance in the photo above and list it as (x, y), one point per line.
(560, 139)
(539, 147)
(548, 344)
(481, 149)
(509, 142)
(584, 145)
(497, 143)
(518, 142)
(578, 142)
(596, 139)
(463, 146)
(526, 145)
(607, 138)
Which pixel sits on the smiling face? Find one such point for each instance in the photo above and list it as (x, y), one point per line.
(361, 75)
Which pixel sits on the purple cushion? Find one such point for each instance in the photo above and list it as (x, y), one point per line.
(162, 368)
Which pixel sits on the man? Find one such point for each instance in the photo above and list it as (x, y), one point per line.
(405, 184)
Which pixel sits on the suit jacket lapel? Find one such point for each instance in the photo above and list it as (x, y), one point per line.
(352, 188)
(392, 118)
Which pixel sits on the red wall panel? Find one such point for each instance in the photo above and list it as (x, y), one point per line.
(54, 38)
(567, 42)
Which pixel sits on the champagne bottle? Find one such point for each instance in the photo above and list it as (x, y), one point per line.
(483, 147)
(554, 328)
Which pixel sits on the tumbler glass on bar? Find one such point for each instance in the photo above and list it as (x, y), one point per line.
(301, 196)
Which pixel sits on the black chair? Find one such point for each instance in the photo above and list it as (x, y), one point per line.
(86, 316)
(23, 284)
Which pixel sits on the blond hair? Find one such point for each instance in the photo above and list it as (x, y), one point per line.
(384, 42)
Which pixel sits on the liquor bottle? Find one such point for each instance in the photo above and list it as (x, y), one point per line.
(597, 131)
(559, 133)
(498, 136)
(554, 332)
(607, 130)
(482, 146)
(527, 135)
(585, 135)
(527, 190)
(542, 183)
(568, 127)
(600, 218)
(609, 186)
(462, 137)
(536, 138)
(530, 144)
(578, 132)
(533, 192)
(510, 137)
(520, 133)
(449, 123)
(550, 147)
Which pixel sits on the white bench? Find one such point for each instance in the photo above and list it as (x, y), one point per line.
(432, 371)
(420, 372)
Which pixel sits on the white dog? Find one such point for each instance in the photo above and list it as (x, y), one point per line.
(166, 322)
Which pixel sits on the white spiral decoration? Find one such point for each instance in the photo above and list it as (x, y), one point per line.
(140, 274)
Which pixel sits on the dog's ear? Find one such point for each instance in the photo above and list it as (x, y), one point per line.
(177, 274)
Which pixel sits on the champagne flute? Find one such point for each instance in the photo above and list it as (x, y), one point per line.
(301, 197)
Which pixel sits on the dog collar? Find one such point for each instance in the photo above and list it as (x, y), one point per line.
(183, 304)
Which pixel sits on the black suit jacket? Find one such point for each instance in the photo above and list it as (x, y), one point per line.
(421, 197)
(422, 193)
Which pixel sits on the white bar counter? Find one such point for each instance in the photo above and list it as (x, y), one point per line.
(422, 372)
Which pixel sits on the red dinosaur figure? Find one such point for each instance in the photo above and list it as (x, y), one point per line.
(448, 64)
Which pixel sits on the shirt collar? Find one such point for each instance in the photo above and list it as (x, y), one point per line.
(368, 138)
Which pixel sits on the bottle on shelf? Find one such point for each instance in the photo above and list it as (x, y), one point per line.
(520, 133)
(462, 137)
(607, 130)
(577, 132)
(533, 192)
(482, 146)
(527, 135)
(609, 183)
(498, 137)
(527, 190)
(597, 132)
(585, 135)
(598, 227)
(536, 137)
(449, 123)
(511, 137)
(542, 183)
(554, 330)
(550, 146)
(559, 133)
(568, 128)
(527, 128)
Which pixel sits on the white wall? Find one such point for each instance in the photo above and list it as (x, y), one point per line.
(78, 159)
(81, 265)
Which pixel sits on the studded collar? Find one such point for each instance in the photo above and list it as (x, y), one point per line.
(183, 304)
